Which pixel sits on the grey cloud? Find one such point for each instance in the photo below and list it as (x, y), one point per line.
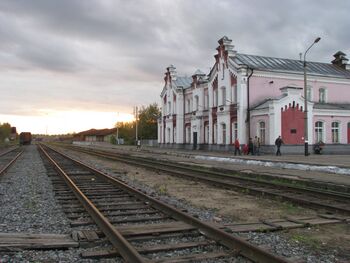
(33, 48)
(105, 46)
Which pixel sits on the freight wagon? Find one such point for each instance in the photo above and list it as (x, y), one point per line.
(25, 138)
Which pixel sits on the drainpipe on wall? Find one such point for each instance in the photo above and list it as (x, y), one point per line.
(184, 119)
(248, 102)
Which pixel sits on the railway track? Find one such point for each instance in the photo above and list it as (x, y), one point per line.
(8, 158)
(302, 195)
(140, 227)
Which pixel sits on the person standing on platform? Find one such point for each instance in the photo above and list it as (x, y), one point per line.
(237, 147)
(250, 147)
(278, 143)
(257, 145)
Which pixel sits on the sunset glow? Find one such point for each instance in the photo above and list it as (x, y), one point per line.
(61, 122)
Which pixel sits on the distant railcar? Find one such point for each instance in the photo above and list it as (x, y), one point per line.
(25, 138)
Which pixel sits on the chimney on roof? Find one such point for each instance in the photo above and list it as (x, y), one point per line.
(227, 45)
(341, 60)
(172, 71)
(197, 76)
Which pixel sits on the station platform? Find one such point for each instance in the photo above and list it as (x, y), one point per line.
(334, 169)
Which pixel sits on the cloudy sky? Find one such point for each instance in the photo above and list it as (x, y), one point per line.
(70, 65)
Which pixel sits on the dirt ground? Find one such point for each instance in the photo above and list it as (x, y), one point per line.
(327, 237)
(236, 206)
(232, 205)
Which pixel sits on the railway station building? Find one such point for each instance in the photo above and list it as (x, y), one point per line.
(244, 96)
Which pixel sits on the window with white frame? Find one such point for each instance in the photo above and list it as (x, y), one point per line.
(169, 107)
(234, 99)
(206, 133)
(322, 95)
(309, 93)
(262, 132)
(335, 132)
(215, 133)
(234, 131)
(196, 99)
(223, 96)
(216, 98)
(174, 135)
(319, 131)
(223, 128)
(188, 104)
(188, 134)
(168, 135)
(206, 102)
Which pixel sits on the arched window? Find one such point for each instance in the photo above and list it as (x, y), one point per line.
(335, 132)
(261, 132)
(322, 95)
(319, 131)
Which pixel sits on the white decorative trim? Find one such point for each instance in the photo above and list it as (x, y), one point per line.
(300, 76)
(329, 112)
(255, 113)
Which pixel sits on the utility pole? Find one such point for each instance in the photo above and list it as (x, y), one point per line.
(136, 114)
(117, 129)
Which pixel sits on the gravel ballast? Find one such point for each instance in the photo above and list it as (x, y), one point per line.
(276, 242)
(28, 205)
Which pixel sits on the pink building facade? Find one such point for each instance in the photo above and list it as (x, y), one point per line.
(244, 96)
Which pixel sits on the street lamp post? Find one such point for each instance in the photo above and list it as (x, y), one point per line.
(306, 134)
(117, 129)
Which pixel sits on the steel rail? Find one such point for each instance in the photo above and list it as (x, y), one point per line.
(7, 166)
(152, 165)
(238, 245)
(127, 251)
(8, 151)
(329, 193)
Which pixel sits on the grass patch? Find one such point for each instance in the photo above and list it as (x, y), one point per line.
(307, 241)
(161, 189)
(289, 208)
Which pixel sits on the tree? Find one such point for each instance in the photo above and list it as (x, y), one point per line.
(5, 131)
(147, 123)
(126, 131)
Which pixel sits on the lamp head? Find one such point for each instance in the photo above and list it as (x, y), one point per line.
(317, 39)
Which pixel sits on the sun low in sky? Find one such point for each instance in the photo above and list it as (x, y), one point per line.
(62, 122)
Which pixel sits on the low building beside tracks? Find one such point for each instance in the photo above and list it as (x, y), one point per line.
(94, 135)
(244, 96)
